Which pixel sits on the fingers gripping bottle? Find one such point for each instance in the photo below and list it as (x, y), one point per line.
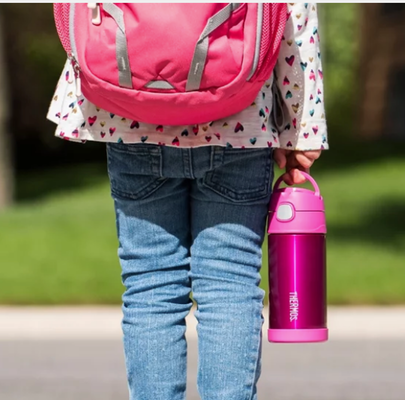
(297, 265)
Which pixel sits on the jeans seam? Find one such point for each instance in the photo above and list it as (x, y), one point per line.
(161, 165)
(190, 163)
(141, 195)
(155, 161)
(211, 159)
(111, 179)
(217, 157)
(256, 366)
(185, 161)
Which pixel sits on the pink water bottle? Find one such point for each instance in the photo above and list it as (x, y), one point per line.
(297, 265)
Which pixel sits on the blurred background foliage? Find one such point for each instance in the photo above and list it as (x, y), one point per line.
(57, 241)
(34, 58)
(340, 33)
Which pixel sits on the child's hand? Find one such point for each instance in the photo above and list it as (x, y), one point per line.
(294, 162)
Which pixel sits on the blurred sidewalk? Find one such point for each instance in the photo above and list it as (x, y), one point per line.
(104, 323)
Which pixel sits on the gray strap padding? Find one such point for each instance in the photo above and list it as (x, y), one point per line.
(258, 39)
(125, 76)
(159, 85)
(201, 48)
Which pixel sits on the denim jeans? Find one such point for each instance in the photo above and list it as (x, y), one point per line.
(191, 221)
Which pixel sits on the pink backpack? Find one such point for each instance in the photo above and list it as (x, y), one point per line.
(171, 63)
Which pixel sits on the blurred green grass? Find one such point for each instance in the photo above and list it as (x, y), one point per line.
(59, 247)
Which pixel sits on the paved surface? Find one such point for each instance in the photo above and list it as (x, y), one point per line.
(44, 361)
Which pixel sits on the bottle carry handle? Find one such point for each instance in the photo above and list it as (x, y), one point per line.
(307, 176)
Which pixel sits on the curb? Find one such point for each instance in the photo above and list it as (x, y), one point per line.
(104, 323)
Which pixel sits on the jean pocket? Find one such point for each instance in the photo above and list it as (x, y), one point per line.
(134, 170)
(243, 175)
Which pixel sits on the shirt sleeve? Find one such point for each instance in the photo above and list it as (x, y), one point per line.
(300, 111)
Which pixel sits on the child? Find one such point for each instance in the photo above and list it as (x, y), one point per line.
(191, 205)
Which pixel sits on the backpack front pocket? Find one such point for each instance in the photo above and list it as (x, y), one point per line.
(167, 47)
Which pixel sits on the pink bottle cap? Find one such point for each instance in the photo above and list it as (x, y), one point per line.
(296, 210)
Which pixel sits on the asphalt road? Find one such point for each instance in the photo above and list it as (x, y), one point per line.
(371, 369)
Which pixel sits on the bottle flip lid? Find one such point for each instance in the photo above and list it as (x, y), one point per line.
(296, 199)
(296, 210)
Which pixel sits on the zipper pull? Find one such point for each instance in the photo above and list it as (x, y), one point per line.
(78, 80)
(78, 86)
(96, 14)
(76, 73)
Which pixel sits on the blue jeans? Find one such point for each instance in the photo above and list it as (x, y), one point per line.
(191, 221)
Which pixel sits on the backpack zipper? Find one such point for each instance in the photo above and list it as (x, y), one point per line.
(64, 19)
(76, 73)
(72, 54)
